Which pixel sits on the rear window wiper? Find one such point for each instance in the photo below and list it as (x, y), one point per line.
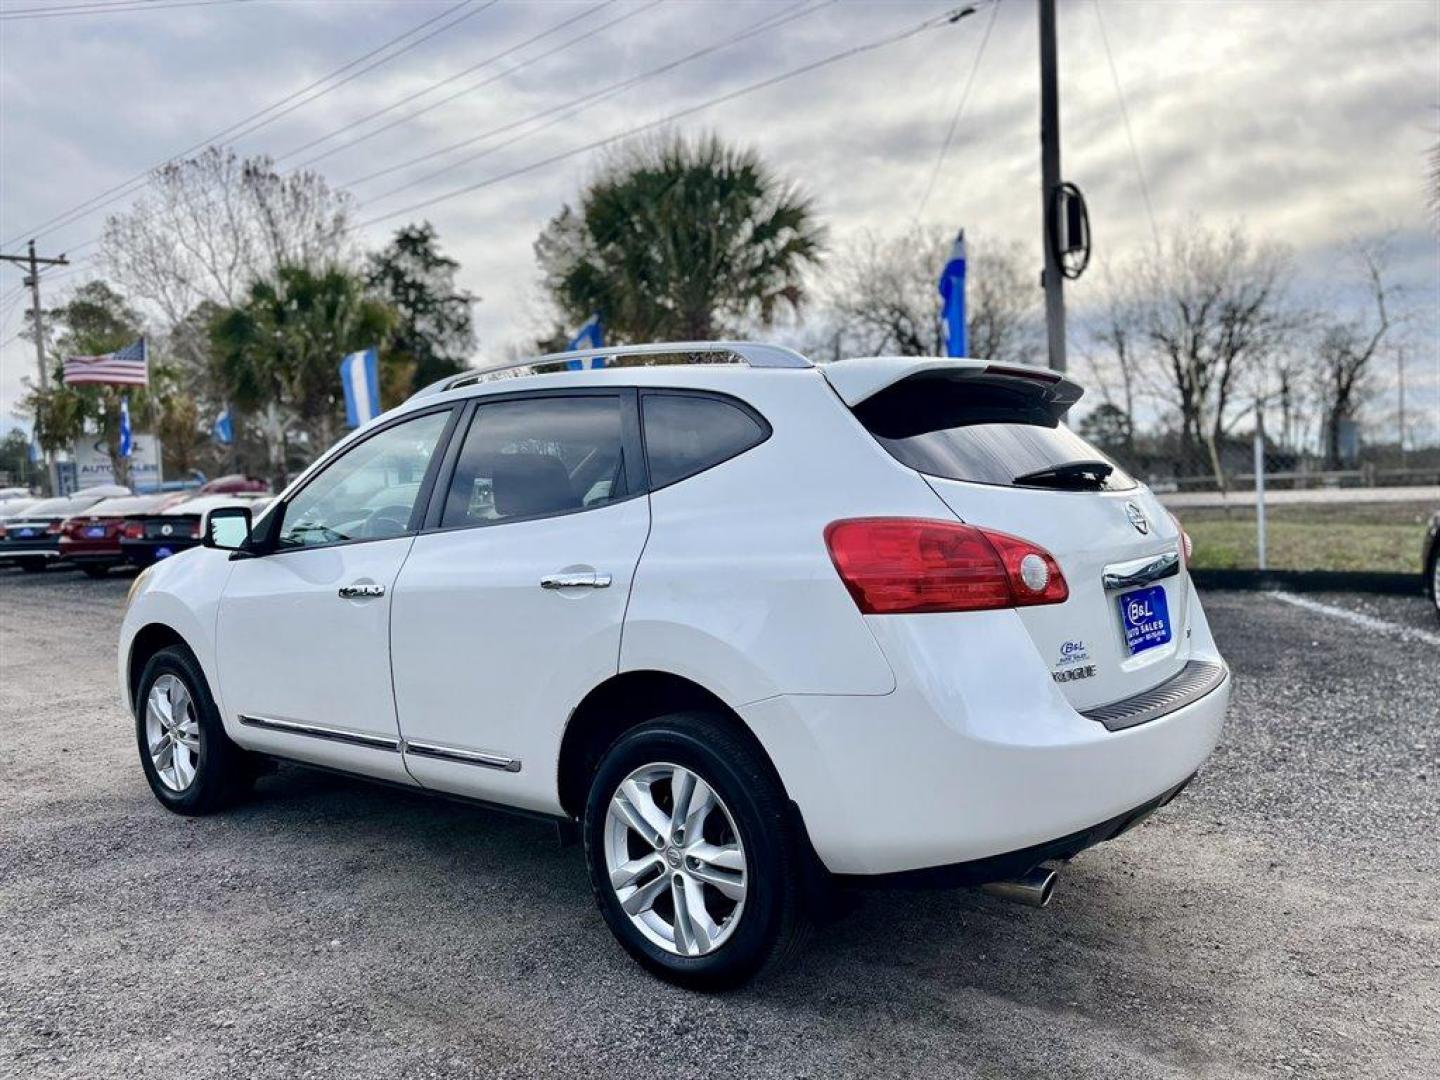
(1071, 474)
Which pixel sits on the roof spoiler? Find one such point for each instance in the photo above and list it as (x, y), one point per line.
(859, 380)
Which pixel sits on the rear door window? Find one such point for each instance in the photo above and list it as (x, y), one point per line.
(957, 429)
(536, 457)
(688, 433)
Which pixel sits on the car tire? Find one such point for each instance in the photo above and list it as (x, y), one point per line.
(754, 917)
(96, 570)
(1432, 576)
(204, 771)
(33, 566)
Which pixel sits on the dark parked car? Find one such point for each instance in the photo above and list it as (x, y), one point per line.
(1431, 563)
(148, 538)
(91, 540)
(32, 540)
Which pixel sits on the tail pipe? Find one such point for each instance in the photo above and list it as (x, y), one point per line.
(1032, 889)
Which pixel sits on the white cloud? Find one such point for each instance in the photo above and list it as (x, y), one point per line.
(1309, 121)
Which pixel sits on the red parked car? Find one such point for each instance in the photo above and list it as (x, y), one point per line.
(91, 539)
(234, 484)
(31, 540)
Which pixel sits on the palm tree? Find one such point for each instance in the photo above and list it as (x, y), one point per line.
(681, 240)
(278, 353)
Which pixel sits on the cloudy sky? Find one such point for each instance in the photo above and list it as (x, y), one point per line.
(1306, 121)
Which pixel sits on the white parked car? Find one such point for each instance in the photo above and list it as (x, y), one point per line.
(754, 626)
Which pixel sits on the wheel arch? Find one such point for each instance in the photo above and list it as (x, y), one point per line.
(625, 701)
(148, 640)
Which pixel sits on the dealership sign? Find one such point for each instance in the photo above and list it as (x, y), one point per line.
(92, 462)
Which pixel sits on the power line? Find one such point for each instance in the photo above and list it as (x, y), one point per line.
(572, 107)
(959, 110)
(769, 22)
(21, 14)
(1129, 132)
(459, 75)
(488, 81)
(803, 69)
(124, 188)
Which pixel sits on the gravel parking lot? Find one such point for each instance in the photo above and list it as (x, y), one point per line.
(1280, 919)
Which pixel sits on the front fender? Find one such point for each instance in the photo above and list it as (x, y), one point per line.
(183, 594)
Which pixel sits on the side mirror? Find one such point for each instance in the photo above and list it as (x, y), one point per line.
(227, 527)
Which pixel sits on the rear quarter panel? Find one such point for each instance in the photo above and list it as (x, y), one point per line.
(736, 589)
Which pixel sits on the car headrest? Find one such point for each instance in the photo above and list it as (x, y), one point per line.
(526, 484)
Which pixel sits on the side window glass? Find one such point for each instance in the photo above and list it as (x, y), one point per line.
(537, 456)
(685, 434)
(369, 492)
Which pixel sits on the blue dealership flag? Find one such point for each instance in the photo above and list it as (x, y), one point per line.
(591, 335)
(127, 439)
(360, 375)
(224, 428)
(952, 298)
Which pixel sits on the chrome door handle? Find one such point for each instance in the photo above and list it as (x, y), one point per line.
(1141, 571)
(361, 592)
(575, 581)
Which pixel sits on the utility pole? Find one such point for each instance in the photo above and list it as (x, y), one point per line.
(32, 279)
(1053, 279)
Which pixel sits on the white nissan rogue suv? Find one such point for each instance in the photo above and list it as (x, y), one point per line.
(754, 625)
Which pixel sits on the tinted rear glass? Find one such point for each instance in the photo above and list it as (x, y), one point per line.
(958, 430)
(686, 434)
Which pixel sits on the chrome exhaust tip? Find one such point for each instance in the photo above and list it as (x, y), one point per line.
(1033, 889)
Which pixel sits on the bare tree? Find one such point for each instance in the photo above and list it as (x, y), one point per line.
(1116, 333)
(1204, 311)
(881, 297)
(206, 229)
(1347, 348)
(209, 226)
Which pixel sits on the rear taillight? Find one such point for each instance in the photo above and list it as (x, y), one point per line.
(1187, 547)
(2, 532)
(893, 565)
(55, 527)
(133, 530)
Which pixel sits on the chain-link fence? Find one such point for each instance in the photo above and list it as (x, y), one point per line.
(1250, 503)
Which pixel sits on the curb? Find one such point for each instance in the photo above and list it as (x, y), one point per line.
(1311, 581)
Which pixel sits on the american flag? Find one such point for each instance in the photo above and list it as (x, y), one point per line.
(127, 366)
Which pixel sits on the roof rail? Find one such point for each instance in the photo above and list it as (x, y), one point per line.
(754, 354)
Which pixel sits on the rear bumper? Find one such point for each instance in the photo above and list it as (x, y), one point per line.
(90, 553)
(40, 548)
(144, 552)
(975, 756)
(1014, 864)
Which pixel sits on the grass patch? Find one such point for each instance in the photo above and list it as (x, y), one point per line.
(1376, 536)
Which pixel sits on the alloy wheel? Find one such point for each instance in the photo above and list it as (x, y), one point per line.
(172, 732)
(675, 860)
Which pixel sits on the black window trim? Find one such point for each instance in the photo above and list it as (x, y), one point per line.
(269, 544)
(766, 430)
(636, 479)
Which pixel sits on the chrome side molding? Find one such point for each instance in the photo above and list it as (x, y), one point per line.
(1142, 571)
(464, 757)
(320, 731)
(382, 742)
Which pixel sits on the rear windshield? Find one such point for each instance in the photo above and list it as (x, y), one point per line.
(957, 429)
